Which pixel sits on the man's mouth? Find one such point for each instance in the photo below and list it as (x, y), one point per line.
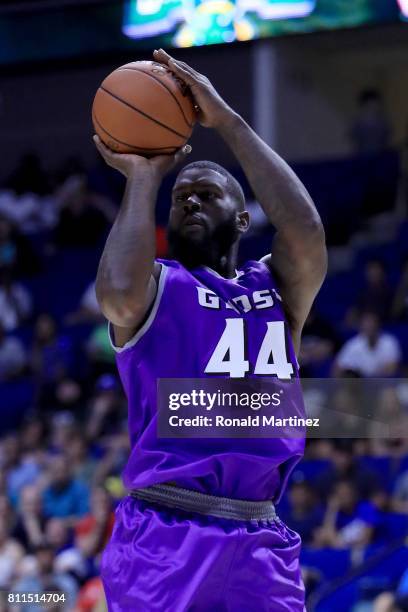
(193, 220)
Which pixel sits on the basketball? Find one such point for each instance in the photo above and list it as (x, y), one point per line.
(143, 108)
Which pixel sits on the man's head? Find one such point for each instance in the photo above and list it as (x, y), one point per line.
(301, 496)
(60, 472)
(57, 533)
(375, 273)
(44, 554)
(207, 215)
(346, 494)
(370, 326)
(30, 500)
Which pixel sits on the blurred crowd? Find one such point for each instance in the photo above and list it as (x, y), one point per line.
(60, 469)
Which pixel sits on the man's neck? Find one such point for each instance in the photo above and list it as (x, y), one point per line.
(224, 266)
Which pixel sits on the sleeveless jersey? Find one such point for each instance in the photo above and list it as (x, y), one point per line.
(196, 328)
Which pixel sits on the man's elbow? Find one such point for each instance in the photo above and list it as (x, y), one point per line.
(314, 233)
(307, 242)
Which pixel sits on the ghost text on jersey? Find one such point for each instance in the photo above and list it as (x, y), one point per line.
(258, 300)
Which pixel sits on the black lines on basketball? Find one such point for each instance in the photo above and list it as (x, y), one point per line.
(168, 150)
(142, 113)
(155, 78)
(163, 125)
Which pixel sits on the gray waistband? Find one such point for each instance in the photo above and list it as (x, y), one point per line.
(193, 501)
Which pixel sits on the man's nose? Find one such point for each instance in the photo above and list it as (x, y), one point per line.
(192, 205)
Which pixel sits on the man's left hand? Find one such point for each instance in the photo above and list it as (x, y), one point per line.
(212, 110)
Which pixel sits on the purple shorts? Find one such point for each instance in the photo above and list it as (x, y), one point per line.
(174, 561)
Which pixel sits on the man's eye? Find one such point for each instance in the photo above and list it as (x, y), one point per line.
(208, 195)
(181, 197)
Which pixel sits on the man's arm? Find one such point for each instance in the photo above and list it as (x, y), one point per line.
(299, 253)
(298, 258)
(127, 273)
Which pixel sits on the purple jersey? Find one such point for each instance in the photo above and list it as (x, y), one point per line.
(197, 327)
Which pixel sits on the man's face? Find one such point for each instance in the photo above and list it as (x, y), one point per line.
(370, 326)
(60, 472)
(204, 221)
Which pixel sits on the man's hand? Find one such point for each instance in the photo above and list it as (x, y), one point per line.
(131, 165)
(212, 110)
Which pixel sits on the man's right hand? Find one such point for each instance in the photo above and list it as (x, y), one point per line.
(131, 165)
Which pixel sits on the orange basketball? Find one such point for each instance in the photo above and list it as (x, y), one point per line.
(142, 108)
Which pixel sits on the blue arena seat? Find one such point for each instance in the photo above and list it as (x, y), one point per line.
(309, 469)
(329, 562)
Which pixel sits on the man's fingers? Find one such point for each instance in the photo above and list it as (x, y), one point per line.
(181, 69)
(182, 73)
(103, 150)
(161, 55)
(108, 155)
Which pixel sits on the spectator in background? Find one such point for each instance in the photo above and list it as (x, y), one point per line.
(305, 513)
(112, 464)
(11, 553)
(348, 522)
(58, 534)
(27, 199)
(88, 311)
(51, 357)
(399, 310)
(43, 578)
(82, 465)
(63, 430)
(65, 496)
(92, 532)
(106, 409)
(29, 177)
(344, 465)
(15, 301)
(91, 597)
(371, 353)
(394, 602)
(100, 352)
(85, 217)
(391, 411)
(16, 252)
(400, 494)
(370, 132)
(21, 469)
(319, 342)
(13, 358)
(375, 295)
(68, 558)
(29, 529)
(68, 397)
(32, 436)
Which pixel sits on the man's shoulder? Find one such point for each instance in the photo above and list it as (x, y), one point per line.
(388, 339)
(355, 342)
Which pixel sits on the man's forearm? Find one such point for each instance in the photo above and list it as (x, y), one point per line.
(127, 261)
(299, 259)
(278, 190)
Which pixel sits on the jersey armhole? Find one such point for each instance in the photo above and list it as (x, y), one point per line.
(265, 261)
(149, 321)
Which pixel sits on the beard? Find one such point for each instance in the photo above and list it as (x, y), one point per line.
(206, 250)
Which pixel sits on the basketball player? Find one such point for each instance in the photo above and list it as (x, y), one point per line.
(198, 530)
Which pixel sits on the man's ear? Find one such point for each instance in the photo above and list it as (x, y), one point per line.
(243, 221)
